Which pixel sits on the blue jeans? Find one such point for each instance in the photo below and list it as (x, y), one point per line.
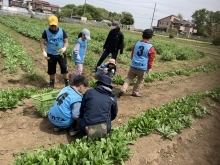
(105, 55)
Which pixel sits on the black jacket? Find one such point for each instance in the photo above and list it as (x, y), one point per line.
(99, 105)
(115, 40)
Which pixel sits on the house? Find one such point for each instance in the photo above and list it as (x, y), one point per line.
(35, 5)
(172, 21)
(1, 3)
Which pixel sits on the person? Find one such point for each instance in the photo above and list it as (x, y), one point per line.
(53, 44)
(99, 107)
(65, 110)
(142, 58)
(80, 50)
(108, 68)
(114, 42)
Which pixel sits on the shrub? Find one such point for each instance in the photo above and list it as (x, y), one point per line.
(216, 41)
(168, 56)
(171, 36)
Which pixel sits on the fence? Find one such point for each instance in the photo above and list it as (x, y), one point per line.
(27, 14)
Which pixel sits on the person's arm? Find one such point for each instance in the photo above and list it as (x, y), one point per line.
(66, 43)
(82, 106)
(76, 50)
(121, 47)
(76, 110)
(106, 41)
(132, 52)
(42, 44)
(114, 109)
(151, 55)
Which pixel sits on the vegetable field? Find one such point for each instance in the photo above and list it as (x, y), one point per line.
(175, 122)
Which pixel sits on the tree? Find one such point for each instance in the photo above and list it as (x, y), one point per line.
(127, 19)
(180, 16)
(199, 19)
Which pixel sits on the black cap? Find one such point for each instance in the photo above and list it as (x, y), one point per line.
(147, 33)
(106, 80)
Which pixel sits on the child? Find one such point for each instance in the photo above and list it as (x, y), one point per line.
(108, 68)
(79, 51)
(66, 108)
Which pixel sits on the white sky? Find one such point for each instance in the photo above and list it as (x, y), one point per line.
(142, 10)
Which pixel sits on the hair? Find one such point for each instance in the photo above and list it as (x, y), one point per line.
(146, 36)
(79, 80)
(80, 34)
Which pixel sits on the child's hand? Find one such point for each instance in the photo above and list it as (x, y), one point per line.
(78, 57)
(62, 50)
(45, 55)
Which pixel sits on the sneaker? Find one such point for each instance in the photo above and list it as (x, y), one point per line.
(57, 129)
(136, 95)
(73, 131)
(120, 93)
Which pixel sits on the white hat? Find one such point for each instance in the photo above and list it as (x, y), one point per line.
(86, 32)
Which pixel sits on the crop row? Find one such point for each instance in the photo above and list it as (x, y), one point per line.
(151, 77)
(168, 120)
(14, 54)
(167, 50)
(13, 97)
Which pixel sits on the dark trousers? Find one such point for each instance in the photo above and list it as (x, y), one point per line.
(105, 55)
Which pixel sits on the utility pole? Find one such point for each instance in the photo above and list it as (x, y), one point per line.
(153, 16)
(85, 7)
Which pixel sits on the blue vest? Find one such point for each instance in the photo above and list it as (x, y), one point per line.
(140, 56)
(60, 114)
(82, 51)
(54, 41)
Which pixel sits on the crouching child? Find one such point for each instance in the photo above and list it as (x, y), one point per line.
(66, 108)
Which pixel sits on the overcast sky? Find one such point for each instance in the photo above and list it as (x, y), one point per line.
(142, 10)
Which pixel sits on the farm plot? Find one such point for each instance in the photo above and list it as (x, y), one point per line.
(22, 129)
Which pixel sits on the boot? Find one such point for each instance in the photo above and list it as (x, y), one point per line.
(52, 84)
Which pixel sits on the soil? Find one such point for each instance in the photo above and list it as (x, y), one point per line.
(22, 129)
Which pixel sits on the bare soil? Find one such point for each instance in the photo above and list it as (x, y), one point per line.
(22, 129)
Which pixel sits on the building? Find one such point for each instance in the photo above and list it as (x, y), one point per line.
(35, 5)
(1, 3)
(172, 21)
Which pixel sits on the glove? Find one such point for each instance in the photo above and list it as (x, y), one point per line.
(45, 55)
(62, 50)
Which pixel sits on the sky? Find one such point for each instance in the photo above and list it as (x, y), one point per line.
(142, 10)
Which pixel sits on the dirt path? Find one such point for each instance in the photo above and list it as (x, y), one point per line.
(21, 128)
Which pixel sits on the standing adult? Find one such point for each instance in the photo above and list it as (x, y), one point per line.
(53, 44)
(114, 42)
(142, 58)
(99, 107)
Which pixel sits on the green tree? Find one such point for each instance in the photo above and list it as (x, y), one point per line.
(199, 19)
(127, 19)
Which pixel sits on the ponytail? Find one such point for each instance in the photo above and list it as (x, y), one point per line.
(80, 35)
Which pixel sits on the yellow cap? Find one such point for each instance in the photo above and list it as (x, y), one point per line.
(53, 20)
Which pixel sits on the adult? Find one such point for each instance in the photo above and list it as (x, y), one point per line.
(53, 44)
(142, 58)
(65, 110)
(114, 42)
(99, 107)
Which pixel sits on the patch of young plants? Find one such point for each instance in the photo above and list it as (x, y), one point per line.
(168, 120)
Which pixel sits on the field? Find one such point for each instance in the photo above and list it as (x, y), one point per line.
(177, 121)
